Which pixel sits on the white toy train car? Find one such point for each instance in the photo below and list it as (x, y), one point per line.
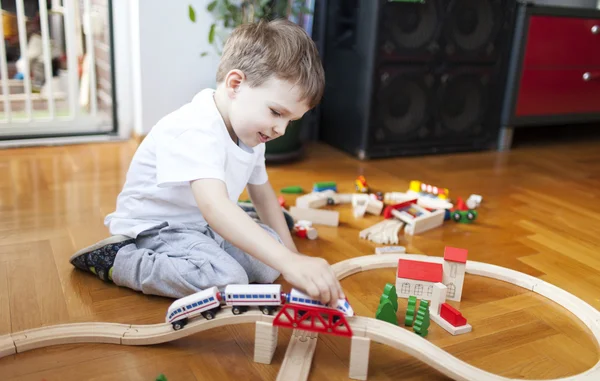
(266, 297)
(297, 297)
(206, 303)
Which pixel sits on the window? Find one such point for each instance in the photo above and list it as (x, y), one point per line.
(261, 296)
(235, 296)
(301, 299)
(205, 300)
(405, 288)
(429, 290)
(248, 296)
(211, 298)
(451, 290)
(195, 305)
(254, 296)
(419, 289)
(453, 270)
(229, 296)
(179, 310)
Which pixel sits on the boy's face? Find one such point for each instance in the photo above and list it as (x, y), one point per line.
(262, 113)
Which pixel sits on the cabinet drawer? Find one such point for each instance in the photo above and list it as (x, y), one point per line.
(552, 92)
(562, 41)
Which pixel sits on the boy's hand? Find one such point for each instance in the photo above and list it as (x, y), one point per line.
(314, 276)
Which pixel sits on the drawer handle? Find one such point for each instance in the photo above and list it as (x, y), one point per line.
(595, 29)
(587, 76)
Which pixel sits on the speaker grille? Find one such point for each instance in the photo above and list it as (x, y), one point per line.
(411, 28)
(473, 26)
(403, 105)
(464, 102)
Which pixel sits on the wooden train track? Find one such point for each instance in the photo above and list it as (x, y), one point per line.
(375, 330)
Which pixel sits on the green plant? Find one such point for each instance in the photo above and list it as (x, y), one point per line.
(228, 14)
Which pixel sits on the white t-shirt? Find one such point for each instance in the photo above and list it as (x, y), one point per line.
(188, 144)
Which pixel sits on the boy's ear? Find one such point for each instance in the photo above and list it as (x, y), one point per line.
(233, 80)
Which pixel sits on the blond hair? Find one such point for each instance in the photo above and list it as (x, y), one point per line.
(277, 48)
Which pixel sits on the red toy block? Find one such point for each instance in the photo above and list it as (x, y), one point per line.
(452, 315)
(281, 200)
(387, 212)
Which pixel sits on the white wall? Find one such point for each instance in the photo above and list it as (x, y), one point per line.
(166, 69)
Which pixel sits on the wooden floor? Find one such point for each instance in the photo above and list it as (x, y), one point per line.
(540, 215)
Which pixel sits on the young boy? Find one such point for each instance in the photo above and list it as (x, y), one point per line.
(177, 228)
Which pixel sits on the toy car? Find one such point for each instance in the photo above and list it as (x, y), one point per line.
(361, 185)
(464, 216)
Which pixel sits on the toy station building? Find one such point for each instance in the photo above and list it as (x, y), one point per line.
(416, 278)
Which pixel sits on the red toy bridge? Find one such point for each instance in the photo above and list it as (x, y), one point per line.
(315, 319)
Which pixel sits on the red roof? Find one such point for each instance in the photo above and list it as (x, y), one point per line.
(418, 270)
(455, 255)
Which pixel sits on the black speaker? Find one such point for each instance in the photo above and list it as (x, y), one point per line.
(407, 78)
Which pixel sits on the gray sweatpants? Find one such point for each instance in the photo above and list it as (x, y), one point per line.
(176, 260)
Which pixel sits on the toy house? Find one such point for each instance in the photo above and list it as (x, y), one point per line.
(417, 278)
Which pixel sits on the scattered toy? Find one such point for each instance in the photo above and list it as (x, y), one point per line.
(389, 292)
(409, 318)
(324, 185)
(390, 250)
(292, 189)
(386, 312)
(361, 185)
(422, 322)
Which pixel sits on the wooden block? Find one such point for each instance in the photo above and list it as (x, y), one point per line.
(315, 199)
(438, 298)
(316, 216)
(359, 358)
(390, 250)
(7, 346)
(342, 198)
(425, 223)
(374, 207)
(449, 327)
(265, 342)
(360, 208)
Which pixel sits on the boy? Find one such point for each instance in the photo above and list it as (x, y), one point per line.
(177, 228)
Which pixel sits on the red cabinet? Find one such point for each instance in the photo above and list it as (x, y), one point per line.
(554, 75)
(562, 41)
(558, 91)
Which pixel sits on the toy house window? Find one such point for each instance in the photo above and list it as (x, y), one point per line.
(453, 270)
(405, 288)
(451, 290)
(419, 289)
(429, 290)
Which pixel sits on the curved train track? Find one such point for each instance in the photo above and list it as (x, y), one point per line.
(376, 330)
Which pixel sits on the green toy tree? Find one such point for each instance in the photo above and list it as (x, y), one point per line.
(389, 292)
(410, 311)
(386, 312)
(161, 377)
(422, 323)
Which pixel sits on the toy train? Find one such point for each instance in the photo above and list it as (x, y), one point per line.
(266, 297)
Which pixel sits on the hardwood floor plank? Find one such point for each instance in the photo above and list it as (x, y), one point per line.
(540, 215)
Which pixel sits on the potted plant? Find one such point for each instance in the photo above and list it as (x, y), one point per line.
(227, 15)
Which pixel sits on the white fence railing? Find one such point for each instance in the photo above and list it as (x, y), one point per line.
(63, 97)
